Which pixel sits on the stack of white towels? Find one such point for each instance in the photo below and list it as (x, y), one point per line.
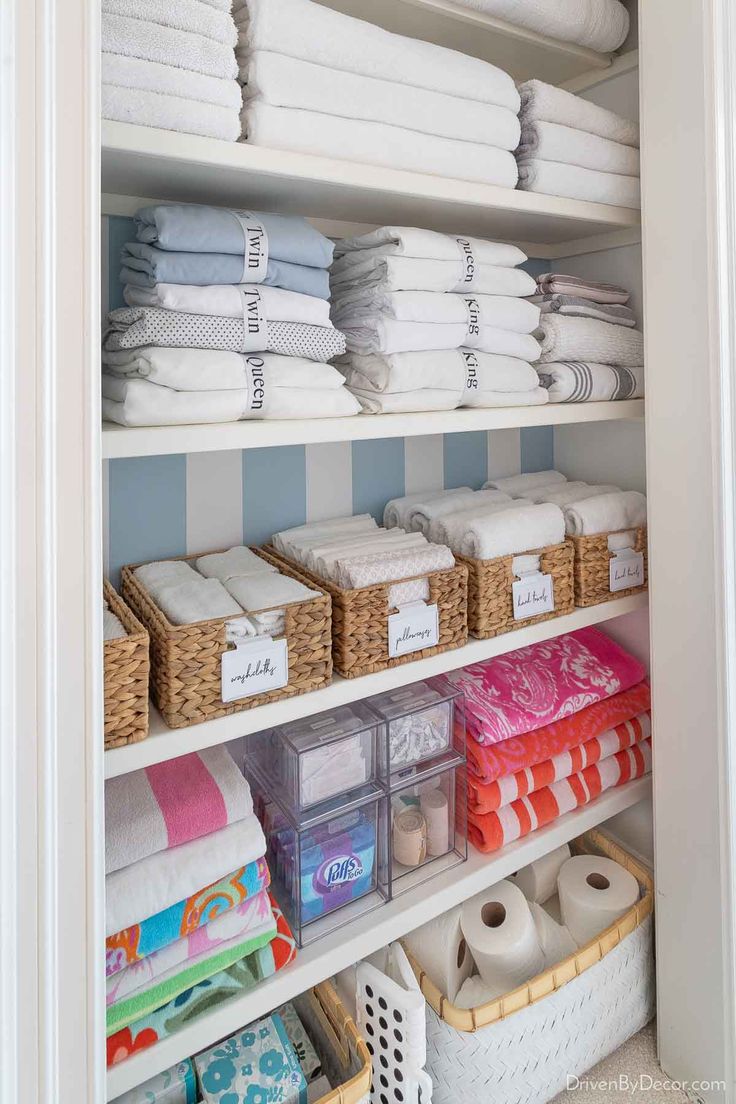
(435, 321)
(591, 348)
(600, 25)
(224, 584)
(227, 318)
(571, 147)
(317, 81)
(171, 65)
(112, 627)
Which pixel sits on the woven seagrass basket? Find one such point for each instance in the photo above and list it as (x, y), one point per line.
(521, 1048)
(127, 667)
(592, 560)
(490, 590)
(186, 667)
(360, 619)
(342, 1051)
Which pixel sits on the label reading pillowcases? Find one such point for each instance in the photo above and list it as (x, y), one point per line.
(416, 626)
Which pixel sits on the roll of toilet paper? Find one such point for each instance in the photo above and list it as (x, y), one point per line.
(473, 993)
(410, 837)
(502, 937)
(556, 942)
(436, 810)
(594, 893)
(441, 950)
(538, 881)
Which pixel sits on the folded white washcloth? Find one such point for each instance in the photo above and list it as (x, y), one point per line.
(374, 269)
(582, 381)
(267, 591)
(519, 484)
(451, 528)
(540, 101)
(167, 45)
(196, 600)
(397, 510)
(143, 107)
(316, 134)
(387, 567)
(164, 573)
(600, 25)
(588, 339)
(233, 563)
(282, 81)
(381, 334)
(121, 71)
(112, 627)
(437, 532)
(574, 182)
(606, 513)
(185, 15)
(554, 142)
(226, 301)
(463, 371)
(310, 31)
(507, 532)
(219, 369)
(504, 312)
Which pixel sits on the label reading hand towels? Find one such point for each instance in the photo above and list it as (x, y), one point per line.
(532, 595)
(414, 627)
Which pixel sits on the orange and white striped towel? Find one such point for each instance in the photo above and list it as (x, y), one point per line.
(490, 796)
(489, 831)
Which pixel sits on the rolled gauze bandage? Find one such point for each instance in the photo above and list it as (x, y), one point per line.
(594, 893)
(538, 881)
(441, 950)
(436, 810)
(500, 932)
(410, 837)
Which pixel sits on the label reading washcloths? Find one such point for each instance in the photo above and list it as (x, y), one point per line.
(255, 248)
(254, 667)
(254, 318)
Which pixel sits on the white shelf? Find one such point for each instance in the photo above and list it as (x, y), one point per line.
(167, 743)
(520, 52)
(119, 441)
(368, 933)
(157, 164)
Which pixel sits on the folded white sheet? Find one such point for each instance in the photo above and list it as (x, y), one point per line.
(385, 567)
(479, 502)
(581, 381)
(138, 402)
(463, 372)
(196, 600)
(267, 591)
(429, 398)
(373, 269)
(519, 484)
(121, 71)
(505, 312)
(316, 134)
(310, 31)
(428, 245)
(185, 15)
(507, 532)
(606, 513)
(569, 492)
(144, 107)
(545, 102)
(167, 45)
(397, 511)
(282, 81)
(564, 339)
(573, 182)
(554, 142)
(219, 369)
(380, 334)
(232, 564)
(598, 24)
(226, 301)
(112, 627)
(163, 573)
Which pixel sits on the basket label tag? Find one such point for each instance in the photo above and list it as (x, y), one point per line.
(532, 595)
(255, 247)
(414, 627)
(625, 569)
(254, 667)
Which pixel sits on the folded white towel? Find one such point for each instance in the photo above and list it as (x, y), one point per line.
(451, 528)
(580, 381)
(316, 134)
(141, 403)
(420, 514)
(386, 567)
(310, 31)
(380, 334)
(163, 573)
(597, 24)
(566, 339)
(554, 142)
(397, 510)
(540, 101)
(573, 182)
(507, 532)
(184, 15)
(143, 107)
(481, 500)
(267, 591)
(226, 301)
(196, 600)
(232, 564)
(569, 492)
(290, 541)
(505, 312)
(464, 372)
(166, 45)
(606, 513)
(282, 81)
(428, 245)
(170, 80)
(219, 369)
(373, 269)
(519, 484)
(429, 398)
(112, 627)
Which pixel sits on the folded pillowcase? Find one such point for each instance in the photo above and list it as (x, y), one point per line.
(324, 561)
(581, 381)
(557, 283)
(289, 541)
(507, 532)
(232, 564)
(606, 513)
(219, 369)
(227, 301)
(387, 567)
(264, 591)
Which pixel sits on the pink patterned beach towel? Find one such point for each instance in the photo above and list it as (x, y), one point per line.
(523, 690)
(170, 803)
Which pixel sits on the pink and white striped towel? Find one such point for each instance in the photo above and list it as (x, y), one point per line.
(171, 803)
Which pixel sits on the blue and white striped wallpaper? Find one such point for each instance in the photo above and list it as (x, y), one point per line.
(171, 505)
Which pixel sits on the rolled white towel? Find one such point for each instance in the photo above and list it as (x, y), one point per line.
(231, 564)
(391, 566)
(519, 484)
(606, 513)
(509, 532)
(396, 512)
(420, 514)
(164, 573)
(441, 528)
(112, 627)
(429, 521)
(568, 492)
(196, 600)
(268, 591)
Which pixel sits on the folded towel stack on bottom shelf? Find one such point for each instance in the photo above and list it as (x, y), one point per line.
(571, 147)
(171, 66)
(591, 349)
(435, 322)
(317, 81)
(227, 319)
(532, 757)
(188, 913)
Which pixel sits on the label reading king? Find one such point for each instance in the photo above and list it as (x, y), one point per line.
(625, 569)
(413, 628)
(254, 669)
(532, 596)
